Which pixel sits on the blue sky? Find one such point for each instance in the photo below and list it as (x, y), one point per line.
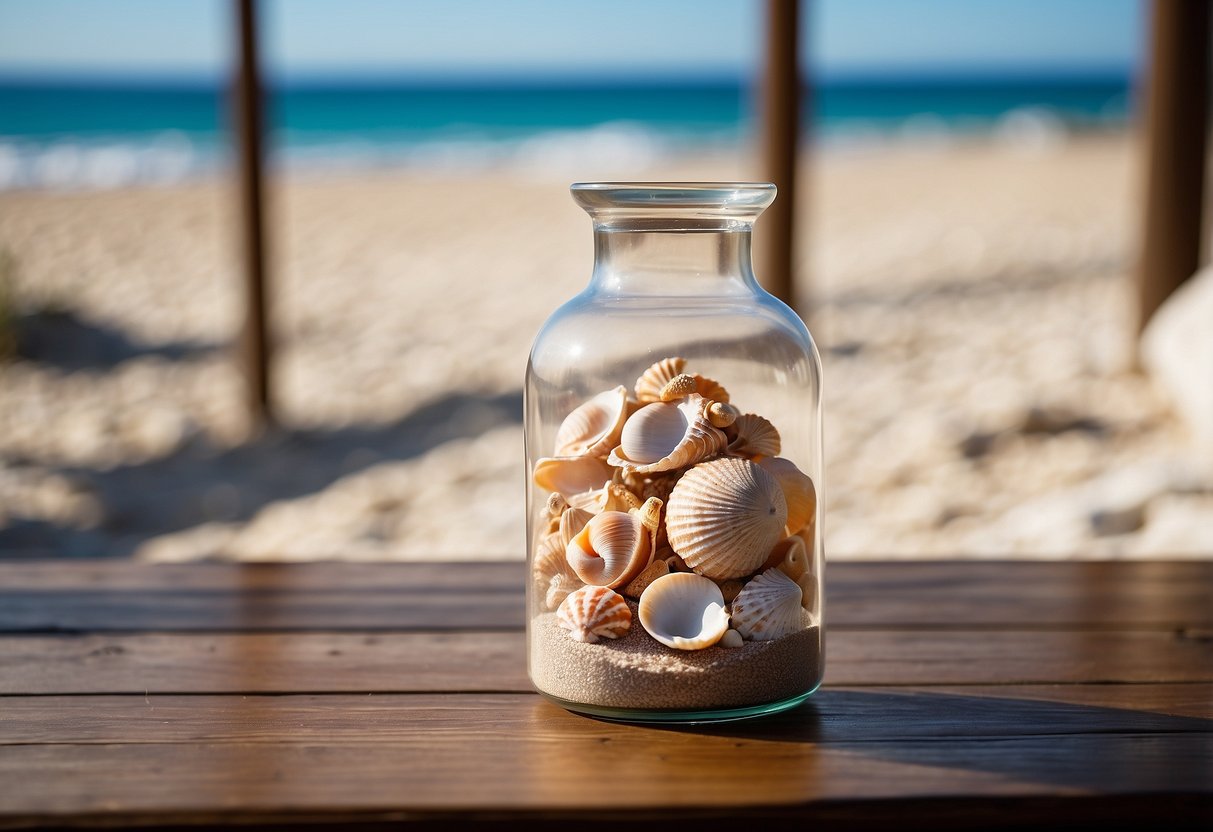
(623, 37)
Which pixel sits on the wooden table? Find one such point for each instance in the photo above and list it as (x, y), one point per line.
(958, 695)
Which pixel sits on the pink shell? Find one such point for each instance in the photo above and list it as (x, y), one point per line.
(594, 612)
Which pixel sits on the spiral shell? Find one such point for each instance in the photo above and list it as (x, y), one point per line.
(753, 436)
(798, 491)
(663, 436)
(568, 476)
(790, 556)
(768, 607)
(684, 611)
(593, 428)
(725, 516)
(653, 380)
(611, 550)
(594, 612)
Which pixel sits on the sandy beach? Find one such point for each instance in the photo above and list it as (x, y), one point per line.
(972, 303)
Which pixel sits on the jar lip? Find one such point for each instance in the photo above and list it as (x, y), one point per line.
(718, 198)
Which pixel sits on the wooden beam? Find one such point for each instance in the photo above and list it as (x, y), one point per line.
(1176, 117)
(249, 123)
(780, 134)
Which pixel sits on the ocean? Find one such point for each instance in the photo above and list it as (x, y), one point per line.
(97, 134)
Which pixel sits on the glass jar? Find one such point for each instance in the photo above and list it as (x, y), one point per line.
(674, 461)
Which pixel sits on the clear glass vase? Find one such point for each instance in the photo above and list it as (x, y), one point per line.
(674, 461)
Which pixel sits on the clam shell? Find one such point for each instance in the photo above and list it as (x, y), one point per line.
(798, 491)
(611, 550)
(653, 380)
(568, 476)
(663, 436)
(594, 612)
(725, 516)
(684, 611)
(768, 607)
(593, 428)
(641, 582)
(753, 436)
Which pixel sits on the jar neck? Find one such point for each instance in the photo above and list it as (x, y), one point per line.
(673, 258)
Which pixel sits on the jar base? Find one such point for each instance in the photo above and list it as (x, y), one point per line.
(681, 717)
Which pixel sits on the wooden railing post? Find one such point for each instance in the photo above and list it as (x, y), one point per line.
(248, 116)
(1177, 113)
(780, 134)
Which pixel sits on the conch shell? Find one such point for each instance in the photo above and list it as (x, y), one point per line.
(595, 612)
(593, 428)
(768, 607)
(568, 476)
(615, 546)
(663, 436)
(684, 611)
(653, 380)
(753, 436)
(798, 491)
(725, 516)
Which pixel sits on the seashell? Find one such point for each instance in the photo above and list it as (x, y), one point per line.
(550, 560)
(725, 516)
(593, 428)
(560, 588)
(676, 563)
(722, 414)
(641, 582)
(568, 476)
(611, 550)
(798, 491)
(678, 387)
(710, 388)
(684, 611)
(731, 639)
(663, 436)
(730, 589)
(572, 521)
(808, 591)
(790, 557)
(753, 436)
(653, 380)
(768, 608)
(595, 612)
(556, 505)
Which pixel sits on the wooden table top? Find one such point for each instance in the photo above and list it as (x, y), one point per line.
(957, 695)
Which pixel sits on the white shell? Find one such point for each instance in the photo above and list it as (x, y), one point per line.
(593, 428)
(666, 435)
(753, 436)
(559, 588)
(798, 491)
(653, 380)
(594, 612)
(725, 516)
(768, 607)
(612, 549)
(731, 638)
(568, 476)
(684, 611)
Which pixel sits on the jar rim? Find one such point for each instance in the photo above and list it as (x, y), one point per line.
(742, 200)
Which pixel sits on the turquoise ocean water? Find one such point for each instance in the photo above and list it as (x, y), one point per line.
(84, 133)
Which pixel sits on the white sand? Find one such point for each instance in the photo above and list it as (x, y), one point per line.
(973, 306)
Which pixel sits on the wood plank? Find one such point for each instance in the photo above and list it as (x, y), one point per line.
(496, 661)
(834, 715)
(552, 761)
(117, 597)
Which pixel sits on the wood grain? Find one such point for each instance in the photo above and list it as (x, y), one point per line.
(496, 661)
(124, 597)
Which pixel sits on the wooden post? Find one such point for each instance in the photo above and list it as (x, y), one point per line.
(1176, 118)
(247, 112)
(780, 133)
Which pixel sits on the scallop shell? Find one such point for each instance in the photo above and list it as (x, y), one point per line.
(611, 550)
(768, 608)
(573, 521)
(641, 582)
(684, 611)
(725, 516)
(798, 491)
(595, 612)
(550, 562)
(653, 380)
(559, 588)
(593, 428)
(710, 388)
(753, 436)
(663, 436)
(568, 476)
